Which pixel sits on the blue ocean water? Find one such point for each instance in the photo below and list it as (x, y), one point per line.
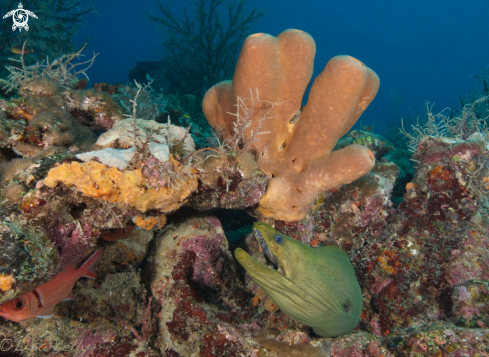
(422, 50)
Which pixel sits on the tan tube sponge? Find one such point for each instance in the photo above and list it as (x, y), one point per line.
(260, 111)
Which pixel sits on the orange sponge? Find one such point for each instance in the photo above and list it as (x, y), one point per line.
(97, 180)
(294, 146)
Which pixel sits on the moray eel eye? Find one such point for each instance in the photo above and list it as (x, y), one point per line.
(279, 239)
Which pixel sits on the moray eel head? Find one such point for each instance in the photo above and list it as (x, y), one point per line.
(315, 286)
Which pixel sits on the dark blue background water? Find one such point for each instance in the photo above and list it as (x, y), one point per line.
(422, 50)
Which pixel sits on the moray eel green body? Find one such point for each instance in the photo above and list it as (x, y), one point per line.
(315, 286)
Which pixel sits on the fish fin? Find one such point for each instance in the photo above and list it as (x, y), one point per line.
(69, 296)
(45, 317)
(87, 268)
(47, 313)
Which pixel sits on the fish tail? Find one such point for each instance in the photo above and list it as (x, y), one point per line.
(86, 269)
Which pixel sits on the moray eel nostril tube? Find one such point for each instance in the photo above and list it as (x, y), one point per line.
(315, 286)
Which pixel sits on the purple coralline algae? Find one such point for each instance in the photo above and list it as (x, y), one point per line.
(195, 281)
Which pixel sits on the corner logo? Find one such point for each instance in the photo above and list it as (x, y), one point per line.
(20, 18)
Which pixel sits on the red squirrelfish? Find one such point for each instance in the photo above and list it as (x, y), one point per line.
(41, 301)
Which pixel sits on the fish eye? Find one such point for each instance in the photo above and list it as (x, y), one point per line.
(279, 239)
(18, 304)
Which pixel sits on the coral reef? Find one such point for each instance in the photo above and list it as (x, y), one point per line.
(110, 88)
(144, 175)
(50, 117)
(47, 85)
(121, 135)
(293, 146)
(184, 110)
(97, 110)
(82, 169)
(56, 127)
(91, 331)
(425, 260)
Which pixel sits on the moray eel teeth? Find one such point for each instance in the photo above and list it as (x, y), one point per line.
(266, 250)
(315, 286)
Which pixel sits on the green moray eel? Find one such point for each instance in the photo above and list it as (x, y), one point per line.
(315, 286)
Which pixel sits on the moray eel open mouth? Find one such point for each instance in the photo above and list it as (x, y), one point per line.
(271, 259)
(315, 286)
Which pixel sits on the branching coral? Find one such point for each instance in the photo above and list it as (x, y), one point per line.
(441, 125)
(201, 51)
(296, 146)
(61, 71)
(464, 136)
(150, 103)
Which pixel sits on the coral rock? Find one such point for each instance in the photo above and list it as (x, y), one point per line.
(98, 107)
(195, 281)
(346, 216)
(28, 258)
(122, 134)
(118, 158)
(430, 263)
(57, 127)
